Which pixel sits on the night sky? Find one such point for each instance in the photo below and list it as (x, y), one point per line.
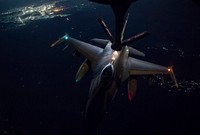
(38, 92)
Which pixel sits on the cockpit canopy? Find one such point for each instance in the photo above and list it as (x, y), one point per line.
(106, 76)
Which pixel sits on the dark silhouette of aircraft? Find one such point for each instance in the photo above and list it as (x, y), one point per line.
(111, 64)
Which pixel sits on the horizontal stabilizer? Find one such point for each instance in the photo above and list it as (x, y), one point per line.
(133, 51)
(101, 42)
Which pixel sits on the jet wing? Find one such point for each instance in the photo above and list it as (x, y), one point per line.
(140, 67)
(101, 42)
(89, 51)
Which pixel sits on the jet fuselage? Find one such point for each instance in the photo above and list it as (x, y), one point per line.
(109, 72)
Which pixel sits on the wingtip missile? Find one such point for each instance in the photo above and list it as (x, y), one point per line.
(173, 77)
(60, 40)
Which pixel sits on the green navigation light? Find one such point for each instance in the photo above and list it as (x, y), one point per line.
(66, 37)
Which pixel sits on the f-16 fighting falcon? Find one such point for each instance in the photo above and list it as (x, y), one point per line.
(111, 63)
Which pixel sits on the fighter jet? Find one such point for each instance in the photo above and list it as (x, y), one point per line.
(111, 65)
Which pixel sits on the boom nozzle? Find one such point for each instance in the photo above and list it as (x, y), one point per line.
(119, 8)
